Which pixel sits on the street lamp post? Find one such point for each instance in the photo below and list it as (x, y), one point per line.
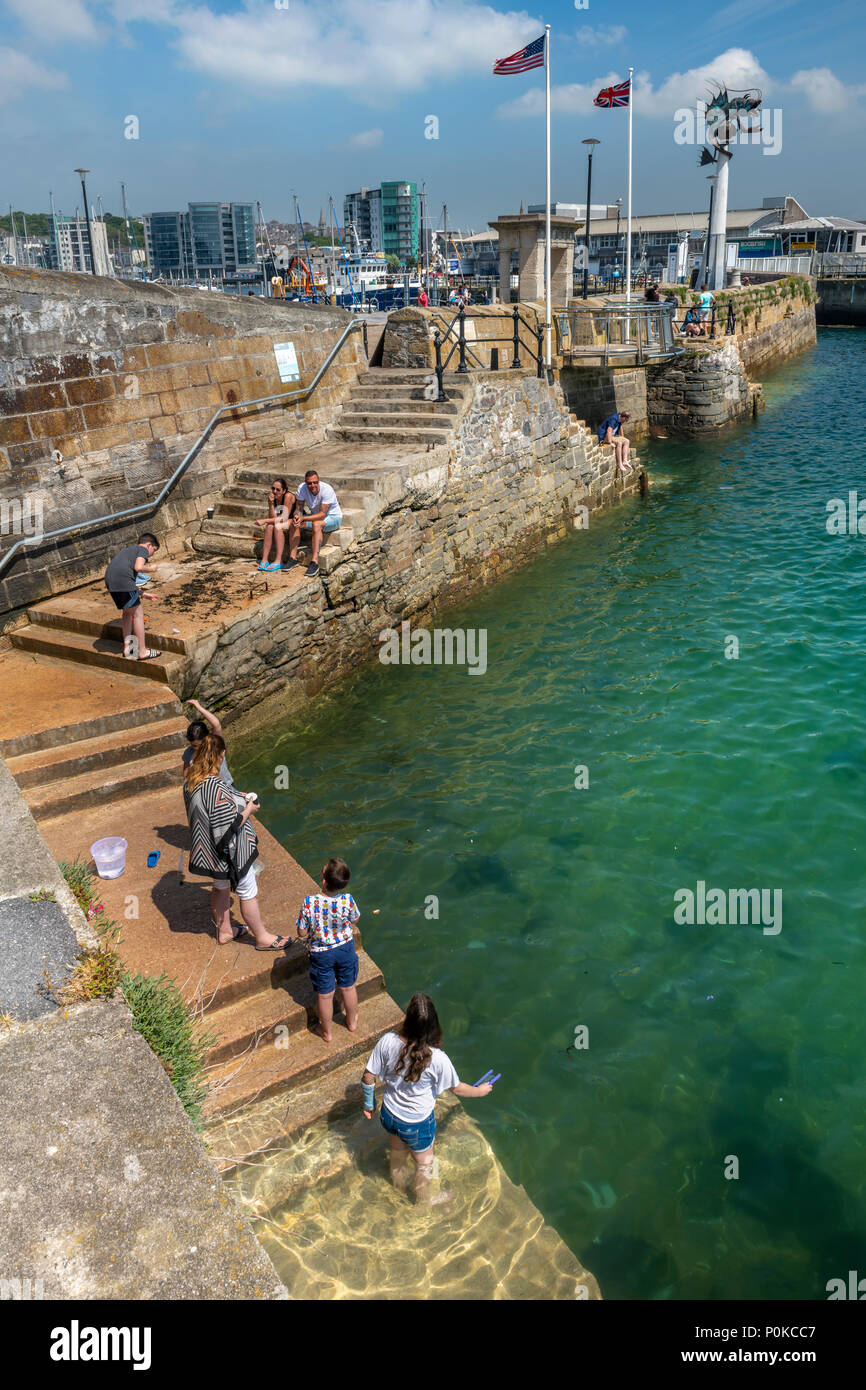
(591, 144)
(616, 257)
(82, 172)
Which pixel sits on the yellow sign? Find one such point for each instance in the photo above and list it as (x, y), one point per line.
(803, 245)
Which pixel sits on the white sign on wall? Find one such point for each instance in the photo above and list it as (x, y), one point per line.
(287, 361)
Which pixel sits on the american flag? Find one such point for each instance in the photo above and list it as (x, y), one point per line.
(614, 96)
(532, 56)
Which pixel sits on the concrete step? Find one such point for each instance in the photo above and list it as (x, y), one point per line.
(237, 548)
(102, 785)
(105, 750)
(100, 703)
(248, 1023)
(110, 631)
(239, 525)
(397, 400)
(366, 434)
(76, 646)
(237, 1082)
(379, 419)
(252, 483)
(394, 376)
(366, 504)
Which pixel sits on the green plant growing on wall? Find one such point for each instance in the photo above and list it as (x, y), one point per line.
(164, 1019)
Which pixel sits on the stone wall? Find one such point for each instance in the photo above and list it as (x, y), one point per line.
(120, 379)
(700, 392)
(511, 482)
(593, 393)
(842, 301)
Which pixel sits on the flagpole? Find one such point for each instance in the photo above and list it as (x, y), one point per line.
(547, 307)
(628, 231)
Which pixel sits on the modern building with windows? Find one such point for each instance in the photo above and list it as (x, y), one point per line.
(386, 218)
(72, 247)
(209, 238)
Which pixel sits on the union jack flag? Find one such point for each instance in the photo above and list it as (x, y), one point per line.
(614, 96)
(532, 56)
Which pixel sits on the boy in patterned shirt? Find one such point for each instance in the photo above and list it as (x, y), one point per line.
(325, 922)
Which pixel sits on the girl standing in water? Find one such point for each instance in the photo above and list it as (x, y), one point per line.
(415, 1071)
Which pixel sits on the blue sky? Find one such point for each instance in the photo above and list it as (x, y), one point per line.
(247, 99)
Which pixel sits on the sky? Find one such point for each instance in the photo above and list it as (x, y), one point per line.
(257, 99)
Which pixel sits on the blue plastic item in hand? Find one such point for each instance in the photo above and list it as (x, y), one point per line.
(152, 858)
(142, 579)
(485, 1078)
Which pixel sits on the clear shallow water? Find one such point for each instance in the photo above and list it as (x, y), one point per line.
(556, 905)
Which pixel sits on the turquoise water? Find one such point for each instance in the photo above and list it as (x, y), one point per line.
(556, 904)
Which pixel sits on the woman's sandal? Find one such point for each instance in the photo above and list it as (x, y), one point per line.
(237, 933)
(279, 945)
(149, 654)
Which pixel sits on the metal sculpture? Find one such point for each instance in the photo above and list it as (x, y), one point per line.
(727, 115)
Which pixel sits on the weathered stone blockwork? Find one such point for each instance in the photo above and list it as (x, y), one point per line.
(512, 481)
(699, 393)
(593, 393)
(121, 379)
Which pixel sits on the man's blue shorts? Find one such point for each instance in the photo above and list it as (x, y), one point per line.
(417, 1137)
(339, 966)
(331, 524)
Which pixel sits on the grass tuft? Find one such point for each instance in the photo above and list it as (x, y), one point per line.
(163, 1018)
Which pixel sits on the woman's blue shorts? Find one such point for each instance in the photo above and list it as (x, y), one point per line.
(417, 1137)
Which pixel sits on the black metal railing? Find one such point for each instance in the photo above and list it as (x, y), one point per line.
(455, 334)
(706, 328)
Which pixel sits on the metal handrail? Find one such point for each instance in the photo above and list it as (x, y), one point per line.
(645, 330)
(146, 508)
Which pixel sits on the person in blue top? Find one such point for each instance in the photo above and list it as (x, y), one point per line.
(610, 432)
(705, 303)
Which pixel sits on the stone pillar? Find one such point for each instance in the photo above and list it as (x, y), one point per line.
(524, 233)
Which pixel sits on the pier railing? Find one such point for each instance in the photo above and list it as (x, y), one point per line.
(522, 336)
(617, 330)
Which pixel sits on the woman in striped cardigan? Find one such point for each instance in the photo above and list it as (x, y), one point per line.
(224, 846)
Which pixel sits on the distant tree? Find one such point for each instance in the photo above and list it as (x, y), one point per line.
(411, 262)
(393, 262)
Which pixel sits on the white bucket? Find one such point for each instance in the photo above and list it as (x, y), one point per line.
(109, 856)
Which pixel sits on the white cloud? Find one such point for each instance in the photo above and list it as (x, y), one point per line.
(54, 21)
(603, 34)
(19, 74)
(367, 140)
(824, 91)
(346, 44)
(737, 68)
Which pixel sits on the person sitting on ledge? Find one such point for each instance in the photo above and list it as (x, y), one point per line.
(280, 506)
(322, 517)
(610, 432)
(691, 327)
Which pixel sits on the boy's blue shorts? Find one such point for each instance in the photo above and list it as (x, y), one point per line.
(417, 1137)
(339, 966)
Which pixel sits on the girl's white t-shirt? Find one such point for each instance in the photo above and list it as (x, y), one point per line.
(411, 1101)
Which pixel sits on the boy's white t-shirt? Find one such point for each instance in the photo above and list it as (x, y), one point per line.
(411, 1101)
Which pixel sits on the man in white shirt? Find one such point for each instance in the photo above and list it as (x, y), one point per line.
(319, 513)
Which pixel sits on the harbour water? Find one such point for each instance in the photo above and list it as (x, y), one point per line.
(528, 906)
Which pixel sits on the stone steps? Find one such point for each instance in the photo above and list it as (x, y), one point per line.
(268, 1069)
(238, 548)
(81, 647)
(103, 784)
(392, 435)
(57, 618)
(100, 752)
(395, 399)
(247, 1023)
(408, 419)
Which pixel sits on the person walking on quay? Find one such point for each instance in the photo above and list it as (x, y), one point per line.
(610, 432)
(415, 1071)
(326, 921)
(121, 581)
(224, 846)
(280, 503)
(422, 298)
(323, 516)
